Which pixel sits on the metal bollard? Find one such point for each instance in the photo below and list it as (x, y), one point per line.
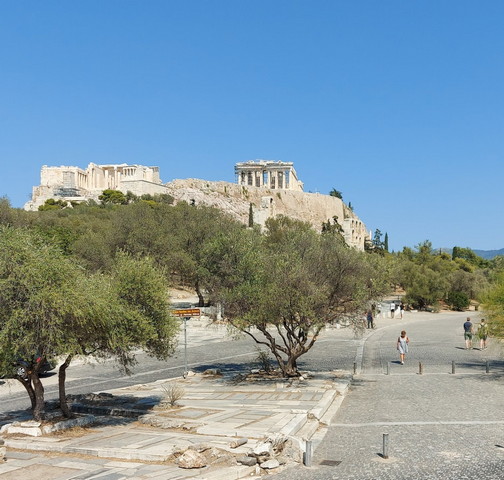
(453, 367)
(385, 445)
(355, 368)
(487, 367)
(420, 368)
(388, 368)
(308, 454)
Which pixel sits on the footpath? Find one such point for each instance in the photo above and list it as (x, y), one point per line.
(439, 424)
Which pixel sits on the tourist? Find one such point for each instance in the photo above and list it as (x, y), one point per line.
(468, 333)
(483, 334)
(402, 345)
(392, 309)
(370, 319)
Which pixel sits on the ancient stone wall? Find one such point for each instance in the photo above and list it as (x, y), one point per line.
(313, 208)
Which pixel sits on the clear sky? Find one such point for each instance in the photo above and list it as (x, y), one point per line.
(397, 104)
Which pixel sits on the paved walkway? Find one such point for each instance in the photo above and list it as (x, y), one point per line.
(214, 412)
(439, 425)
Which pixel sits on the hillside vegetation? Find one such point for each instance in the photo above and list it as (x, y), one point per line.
(287, 276)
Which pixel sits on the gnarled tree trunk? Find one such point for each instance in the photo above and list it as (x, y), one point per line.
(29, 389)
(61, 387)
(38, 411)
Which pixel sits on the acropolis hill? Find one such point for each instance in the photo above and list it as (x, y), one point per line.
(272, 188)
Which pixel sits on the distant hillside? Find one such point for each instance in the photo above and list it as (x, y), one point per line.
(489, 254)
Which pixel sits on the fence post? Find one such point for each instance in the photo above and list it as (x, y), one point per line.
(453, 367)
(385, 445)
(308, 454)
(355, 368)
(388, 368)
(487, 367)
(420, 368)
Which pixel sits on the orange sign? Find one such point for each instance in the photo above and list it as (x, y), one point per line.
(187, 312)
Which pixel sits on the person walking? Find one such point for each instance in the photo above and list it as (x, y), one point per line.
(392, 309)
(483, 334)
(370, 319)
(468, 334)
(402, 345)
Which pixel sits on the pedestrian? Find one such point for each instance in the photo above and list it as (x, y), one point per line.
(401, 310)
(483, 334)
(402, 345)
(392, 309)
(370, 319)
(468, 333)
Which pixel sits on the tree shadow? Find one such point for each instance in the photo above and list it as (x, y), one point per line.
(225, 369)
(495, 370)
(108, 409)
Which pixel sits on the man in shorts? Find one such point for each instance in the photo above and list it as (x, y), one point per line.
(468, 333)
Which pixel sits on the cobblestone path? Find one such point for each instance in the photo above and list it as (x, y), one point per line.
(440, 425)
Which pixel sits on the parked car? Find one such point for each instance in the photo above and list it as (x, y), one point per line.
(23, 366)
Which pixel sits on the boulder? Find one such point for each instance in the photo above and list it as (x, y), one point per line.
(263, 448)
(191, 459)
(270, 464)
(248, 461)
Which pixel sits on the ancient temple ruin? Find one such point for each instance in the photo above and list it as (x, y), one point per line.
(275, 175)
(77, 184)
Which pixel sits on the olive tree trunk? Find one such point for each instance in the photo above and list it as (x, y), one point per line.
(61, 387)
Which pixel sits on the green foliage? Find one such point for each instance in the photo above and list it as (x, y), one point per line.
(429, 276)
(50, 305)
(333, 228)
(51, 204)
(297, 281)
(114, 197)
(459, 253)
(458, 301)
(336, 193)
(493, 305)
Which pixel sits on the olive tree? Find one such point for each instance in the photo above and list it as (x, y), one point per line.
(50, 307)
(282, 288)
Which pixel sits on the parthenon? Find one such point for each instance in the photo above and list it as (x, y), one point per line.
(275, 175)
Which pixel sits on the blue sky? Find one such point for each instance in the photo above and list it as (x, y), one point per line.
(398, 104)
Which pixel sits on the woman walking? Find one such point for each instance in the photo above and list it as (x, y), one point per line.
(402, 345)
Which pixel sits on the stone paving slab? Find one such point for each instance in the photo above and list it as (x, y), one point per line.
(221, 410)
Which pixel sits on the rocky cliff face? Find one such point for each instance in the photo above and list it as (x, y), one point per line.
(234, 199)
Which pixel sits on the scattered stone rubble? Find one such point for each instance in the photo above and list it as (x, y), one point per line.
(272, 452)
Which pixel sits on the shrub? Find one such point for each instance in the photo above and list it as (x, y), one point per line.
(264, 360)
(173, 393)
(458, 300)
